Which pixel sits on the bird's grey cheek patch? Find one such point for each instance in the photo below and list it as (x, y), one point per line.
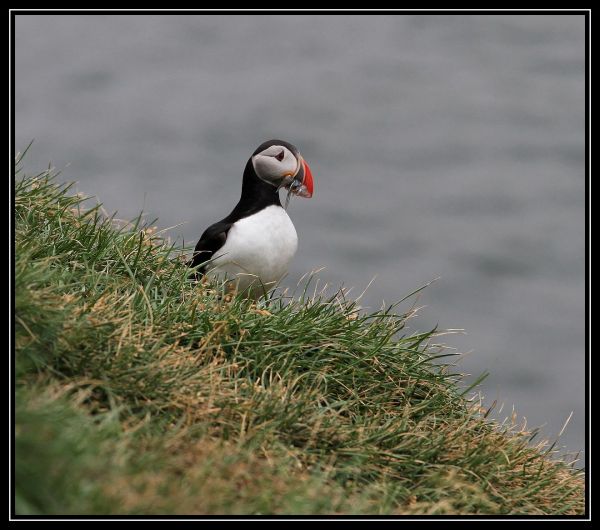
(270, 169)
(266, 167)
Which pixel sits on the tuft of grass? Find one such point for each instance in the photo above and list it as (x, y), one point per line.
(139, 392)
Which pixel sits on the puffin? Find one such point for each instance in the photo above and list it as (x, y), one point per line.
(252, 247)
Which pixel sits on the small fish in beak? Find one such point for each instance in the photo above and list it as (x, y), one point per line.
(292, 190)
(301, 184)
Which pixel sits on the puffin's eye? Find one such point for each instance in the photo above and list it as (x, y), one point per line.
(280, 156)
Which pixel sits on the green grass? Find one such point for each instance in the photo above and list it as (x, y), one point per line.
(138, 392)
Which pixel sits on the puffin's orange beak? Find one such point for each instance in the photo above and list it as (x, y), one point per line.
(307, 182)
(302, 182)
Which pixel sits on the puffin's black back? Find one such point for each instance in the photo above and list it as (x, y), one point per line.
(256, 195)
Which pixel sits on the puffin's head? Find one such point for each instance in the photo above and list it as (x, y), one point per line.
(280, 164)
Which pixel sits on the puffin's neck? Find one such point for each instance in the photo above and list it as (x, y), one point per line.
(256, 193)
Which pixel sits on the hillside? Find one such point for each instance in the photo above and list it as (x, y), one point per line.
(139, 392)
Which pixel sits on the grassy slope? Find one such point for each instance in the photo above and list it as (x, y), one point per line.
(139, 393)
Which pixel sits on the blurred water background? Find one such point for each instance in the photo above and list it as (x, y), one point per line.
(442, 146)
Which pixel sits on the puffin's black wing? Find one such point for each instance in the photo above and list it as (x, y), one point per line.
(212, 239)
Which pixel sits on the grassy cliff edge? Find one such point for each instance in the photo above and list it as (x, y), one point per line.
(138, 392)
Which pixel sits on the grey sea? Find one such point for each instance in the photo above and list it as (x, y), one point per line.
(448, 147)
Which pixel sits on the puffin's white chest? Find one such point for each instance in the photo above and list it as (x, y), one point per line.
(258, 249)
